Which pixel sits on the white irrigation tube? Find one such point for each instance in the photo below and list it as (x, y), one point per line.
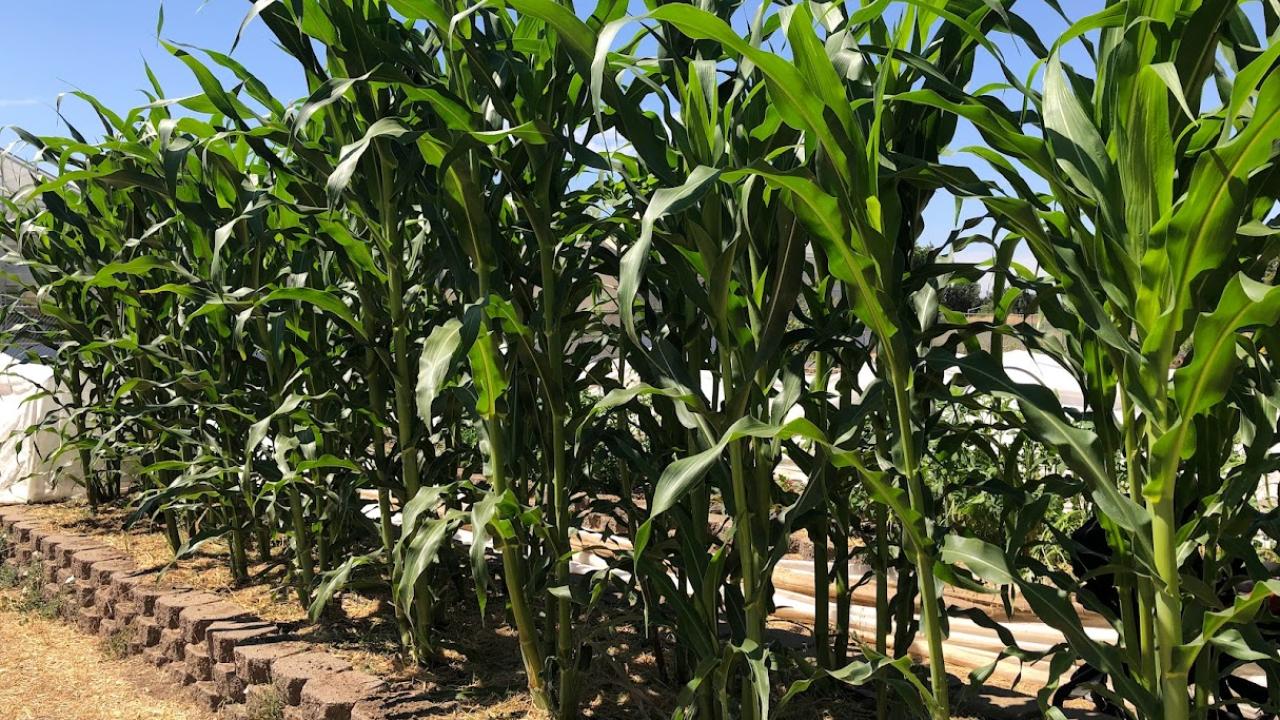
(969, 645)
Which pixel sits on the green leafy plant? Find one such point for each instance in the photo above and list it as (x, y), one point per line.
(116, 644)
(1165, 305)
(506, 265)
(265, 703)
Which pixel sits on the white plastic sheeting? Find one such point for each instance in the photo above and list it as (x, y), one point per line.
(29, 472)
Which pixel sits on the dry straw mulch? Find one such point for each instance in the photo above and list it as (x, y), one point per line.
(49, 671)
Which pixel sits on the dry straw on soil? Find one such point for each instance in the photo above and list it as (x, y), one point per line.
(52, 672)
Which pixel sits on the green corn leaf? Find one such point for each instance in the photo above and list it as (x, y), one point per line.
(1202, 229)
(327, 301)
(109, 275)
(330, 92)
(983, 559)
(418, 549)
(531, 132)
(1080, 150)
(487, 373)
(1242, 611)
(482, 513)
(350, 156)
(1202, 383)
(437, 359)
(666, 201)
(1054, 608)
(422, 10)
(334, 582)
(1234, 643)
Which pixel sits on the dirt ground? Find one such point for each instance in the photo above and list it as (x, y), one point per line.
(49, 671)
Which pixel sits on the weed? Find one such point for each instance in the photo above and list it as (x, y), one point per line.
(265, 705)
(9, 572)
(116, 645)
(33, 594)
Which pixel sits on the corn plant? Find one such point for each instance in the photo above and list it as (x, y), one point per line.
(1163, 297)
(501, 247)
(859, 222)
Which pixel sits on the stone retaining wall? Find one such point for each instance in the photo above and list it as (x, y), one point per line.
(229, 659)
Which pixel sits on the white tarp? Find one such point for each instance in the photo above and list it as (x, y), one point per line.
(28, 471)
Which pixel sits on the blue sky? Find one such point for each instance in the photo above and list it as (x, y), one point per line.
(99, 46)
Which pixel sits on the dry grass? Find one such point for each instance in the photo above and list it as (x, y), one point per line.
(51, 672)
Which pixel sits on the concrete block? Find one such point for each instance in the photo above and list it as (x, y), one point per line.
(228, 683)
(290, 674)
(223, 637)
(332, 697)
(82, 562)
(206, 695)
(195, 621)
(169, 607)
(171, 645)
(253, 662)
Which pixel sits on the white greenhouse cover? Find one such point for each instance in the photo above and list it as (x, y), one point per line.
(27, 470)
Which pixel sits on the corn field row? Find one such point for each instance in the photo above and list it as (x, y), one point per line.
(514, 262)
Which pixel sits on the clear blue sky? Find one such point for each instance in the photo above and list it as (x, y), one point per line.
(98, 46)
(53, 46)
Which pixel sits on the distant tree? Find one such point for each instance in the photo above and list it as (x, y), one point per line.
(962, 296)
(1025, 304)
